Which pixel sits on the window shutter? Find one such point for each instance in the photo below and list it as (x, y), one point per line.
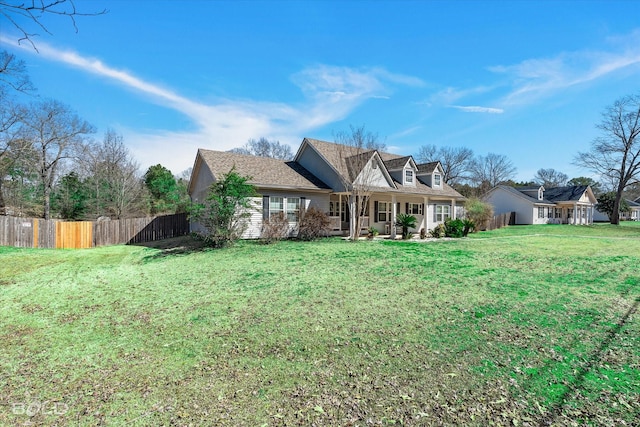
(406, 208)
(435, 213)
(265, 207)
(375, 211)
(397, 208)
(303, 207)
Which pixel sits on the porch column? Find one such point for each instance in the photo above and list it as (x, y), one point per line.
(392, 231)
(453, 208)
(575, 213)
(355, 234)
(340, 211)
(425, 211)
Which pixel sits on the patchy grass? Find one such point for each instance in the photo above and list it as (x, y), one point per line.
(520, 326)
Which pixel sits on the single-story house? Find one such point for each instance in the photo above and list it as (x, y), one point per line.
(632, 215)
(634, 211)
(537, 205)
(322, 175)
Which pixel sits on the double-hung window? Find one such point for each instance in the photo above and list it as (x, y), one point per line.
(540, 212)
(408, 176)
(437, 180)
(288, 206)
(415, 209)
(293, 208)
(441, 213)
(276, 205)
(383, 212)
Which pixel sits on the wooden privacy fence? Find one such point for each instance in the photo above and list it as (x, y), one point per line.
(40, 233)
(502, 220)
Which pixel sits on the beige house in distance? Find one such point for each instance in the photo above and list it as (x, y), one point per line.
(321, 175)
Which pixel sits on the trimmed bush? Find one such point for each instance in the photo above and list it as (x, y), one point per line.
(454, 228)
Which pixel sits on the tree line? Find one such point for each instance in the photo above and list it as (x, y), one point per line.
(51, 166)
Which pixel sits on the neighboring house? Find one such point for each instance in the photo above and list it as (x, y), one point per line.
(320, 175)
(634, 211)
(537, 205)
(632, 215)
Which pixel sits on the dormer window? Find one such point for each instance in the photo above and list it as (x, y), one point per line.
(540, 193)
(437, 180)
(408, 176)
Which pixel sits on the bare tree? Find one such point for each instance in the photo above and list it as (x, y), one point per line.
(114, 176)
(455, 161)
(27, 15)
(13, 74)
(616, 154)
(265, 148)
(55, 133)
(550, 178)
(356, 150)
(491, 170)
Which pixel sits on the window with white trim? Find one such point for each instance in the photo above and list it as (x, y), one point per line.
(408, 176)
(276, 205)
(540, 212)
(437, 180)
(293, 209)
(415, 209)
(288, 206)
(441, 213)
(384, 213)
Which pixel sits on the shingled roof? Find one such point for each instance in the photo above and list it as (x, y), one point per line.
(396, 163)
(344, 160)
(565, 194)
(265, 172)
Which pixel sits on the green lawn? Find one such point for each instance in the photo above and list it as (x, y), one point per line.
(527, 325)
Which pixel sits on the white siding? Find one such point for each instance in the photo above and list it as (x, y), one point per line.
(317, 200)
(371, 176)
(203, 181)
(504, 202)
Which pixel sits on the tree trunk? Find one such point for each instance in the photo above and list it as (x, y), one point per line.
(3, 209)
(47, 204)
(615, 215)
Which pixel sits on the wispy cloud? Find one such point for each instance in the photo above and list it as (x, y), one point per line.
(331, 94)
(478, 109)
(532, 79)
(450, 95)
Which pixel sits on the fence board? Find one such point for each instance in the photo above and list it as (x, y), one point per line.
(502, 220)
(32, 233)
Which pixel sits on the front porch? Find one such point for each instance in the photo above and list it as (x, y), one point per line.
(380, 211)
(574, 214)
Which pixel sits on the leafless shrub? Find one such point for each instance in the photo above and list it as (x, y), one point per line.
(313, 224)
(275, 228)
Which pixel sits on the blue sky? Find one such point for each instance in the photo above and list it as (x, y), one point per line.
(527, 79)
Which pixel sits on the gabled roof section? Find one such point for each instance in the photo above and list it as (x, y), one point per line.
(428, 168)
(346, 161)
(399, 163)
(566, 194)
(633, 203)
(518, 193)
(265, 172)
(356, 163)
